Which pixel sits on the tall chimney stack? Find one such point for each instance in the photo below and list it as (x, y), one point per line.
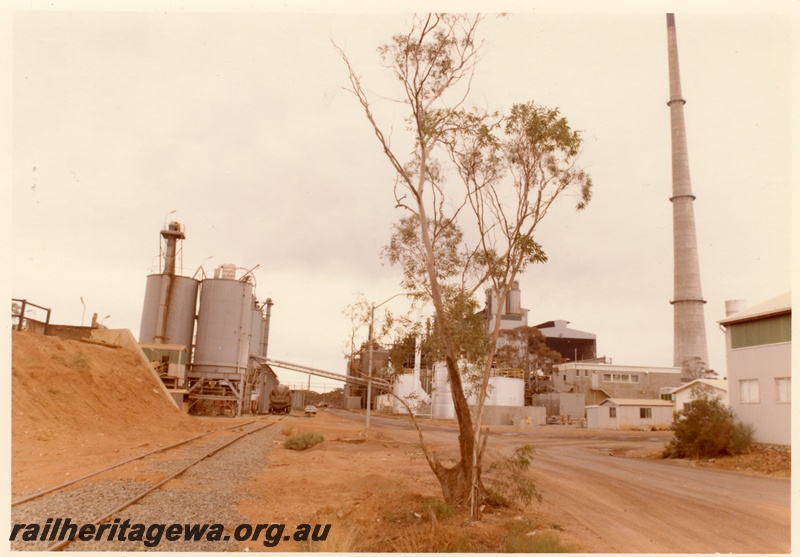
(690, 329)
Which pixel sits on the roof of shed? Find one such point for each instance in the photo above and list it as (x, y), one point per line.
(720, 384)
(636, 402)
(558, 329)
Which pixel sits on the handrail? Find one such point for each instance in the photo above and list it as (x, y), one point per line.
(26, 303)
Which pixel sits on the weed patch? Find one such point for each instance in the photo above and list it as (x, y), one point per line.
(303, 441)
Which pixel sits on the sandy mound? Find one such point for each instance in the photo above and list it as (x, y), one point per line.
(78, 406)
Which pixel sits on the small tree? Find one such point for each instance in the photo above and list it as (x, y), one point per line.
(706, 428)
(509, 171)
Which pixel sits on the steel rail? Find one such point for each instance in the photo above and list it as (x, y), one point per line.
(58, 546)
(117, 465)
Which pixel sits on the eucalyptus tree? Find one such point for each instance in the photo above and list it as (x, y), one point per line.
(473, 188)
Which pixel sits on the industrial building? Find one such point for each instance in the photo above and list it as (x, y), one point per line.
(573, 345)
(758, 346)
(577, 385)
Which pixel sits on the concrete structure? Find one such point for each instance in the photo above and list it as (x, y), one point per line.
(620, 413)
(572, 344)
(684, 394)
(689, 321)
(759, 354)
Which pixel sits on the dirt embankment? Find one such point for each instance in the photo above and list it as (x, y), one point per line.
(77, 407)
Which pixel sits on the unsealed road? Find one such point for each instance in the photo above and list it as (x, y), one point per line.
(630, 505)
(616, 504)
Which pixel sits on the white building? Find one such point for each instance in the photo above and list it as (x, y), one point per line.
(759, 354)
(624, 413)
(683, 394)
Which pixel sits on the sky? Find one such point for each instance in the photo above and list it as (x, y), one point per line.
(237, 124)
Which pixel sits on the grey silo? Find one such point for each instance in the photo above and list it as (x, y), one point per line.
(688, 303)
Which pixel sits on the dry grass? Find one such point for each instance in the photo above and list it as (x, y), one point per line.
(412, 523)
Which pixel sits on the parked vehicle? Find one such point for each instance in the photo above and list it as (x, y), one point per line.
(311, 411)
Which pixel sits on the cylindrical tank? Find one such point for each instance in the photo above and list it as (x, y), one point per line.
(442, 399)
(224, 325)
(410, 390)
(513, 300)
(505, 391)
(169, 310)
(734, 306)
(256, 330)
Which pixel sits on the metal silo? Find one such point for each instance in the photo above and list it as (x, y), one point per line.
(257, 329)
(169, 302)
(224, 326)
(168, 313)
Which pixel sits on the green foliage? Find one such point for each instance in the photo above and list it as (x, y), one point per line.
(706, 428)
(406, 250)
(512, 483)
(303, 441)
(741, 438)
(525, 348)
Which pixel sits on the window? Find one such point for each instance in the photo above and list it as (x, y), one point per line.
(770, 330)
(612, 411)
(646, 413)
(783, 389)
(748, 391)
(606, 377)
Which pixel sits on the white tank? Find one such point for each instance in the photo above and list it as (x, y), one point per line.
(409, 388)
(224, 326)
(442, 400)
(169, 309)
(505, 391)
(734, 306)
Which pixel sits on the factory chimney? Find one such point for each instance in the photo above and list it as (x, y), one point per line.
(690, 331)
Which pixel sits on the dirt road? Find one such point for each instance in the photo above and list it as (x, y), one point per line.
(639, 505)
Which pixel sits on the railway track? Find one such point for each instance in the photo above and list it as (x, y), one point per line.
(178, 458)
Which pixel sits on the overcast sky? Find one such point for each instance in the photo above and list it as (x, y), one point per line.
(239, 123)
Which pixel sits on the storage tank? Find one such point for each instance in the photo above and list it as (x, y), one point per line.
(169, 311)
(734, 306)
(169, 300)
(256, 330)
(505, 391)
(406, 386)
(224, 325)
(442, 398)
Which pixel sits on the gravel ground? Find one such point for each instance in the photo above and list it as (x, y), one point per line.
(205, 494)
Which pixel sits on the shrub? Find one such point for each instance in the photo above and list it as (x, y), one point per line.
(511, 483)
(741, 438)
(303, 441)
(706, 428)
